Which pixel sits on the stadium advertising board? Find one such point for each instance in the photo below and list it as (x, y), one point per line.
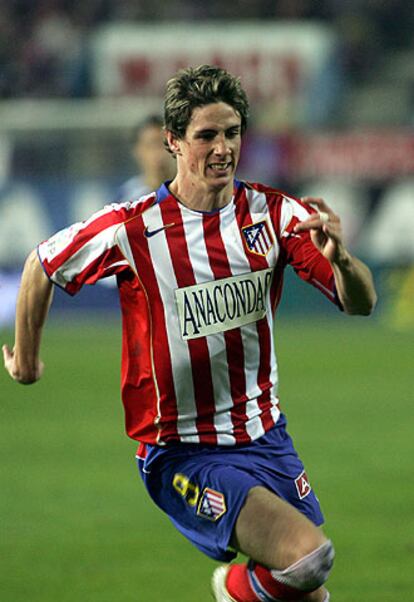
(274, 60)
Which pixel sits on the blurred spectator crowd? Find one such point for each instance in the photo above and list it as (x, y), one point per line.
(44, 43)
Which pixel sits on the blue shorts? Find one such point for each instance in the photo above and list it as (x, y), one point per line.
(203, 488)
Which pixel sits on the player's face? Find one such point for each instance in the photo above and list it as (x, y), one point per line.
(210, 150)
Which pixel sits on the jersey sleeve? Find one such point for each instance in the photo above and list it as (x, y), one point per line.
(301, 253)
(86, 251)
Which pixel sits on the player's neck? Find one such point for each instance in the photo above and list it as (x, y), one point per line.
(201, 198)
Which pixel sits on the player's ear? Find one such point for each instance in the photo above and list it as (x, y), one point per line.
(174, 143)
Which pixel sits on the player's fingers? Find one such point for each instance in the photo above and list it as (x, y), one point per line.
(319, 203)
(331, 230)
(313, 200)
(40, 370)
(8, 360)
(316, 221)
(7, 354)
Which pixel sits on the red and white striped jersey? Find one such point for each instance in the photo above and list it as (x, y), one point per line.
(198, 293)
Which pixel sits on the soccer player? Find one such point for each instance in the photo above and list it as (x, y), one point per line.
(154, 165)
(199, 265)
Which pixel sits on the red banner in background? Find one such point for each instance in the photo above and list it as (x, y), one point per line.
(367, 155)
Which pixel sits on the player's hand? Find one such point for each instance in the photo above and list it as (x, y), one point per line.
(25, 377)
(324, 228)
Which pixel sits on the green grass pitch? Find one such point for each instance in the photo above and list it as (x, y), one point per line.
(77, 525)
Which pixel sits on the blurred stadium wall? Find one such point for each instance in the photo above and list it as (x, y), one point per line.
(332, 100)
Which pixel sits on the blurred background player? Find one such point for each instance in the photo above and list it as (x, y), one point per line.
(153, 163)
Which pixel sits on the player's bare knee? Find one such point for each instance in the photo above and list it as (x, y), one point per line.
(309, 572)
(311, 540)
(300, 544)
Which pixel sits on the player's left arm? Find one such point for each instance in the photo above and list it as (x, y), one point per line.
(353, 279)
(23, 362)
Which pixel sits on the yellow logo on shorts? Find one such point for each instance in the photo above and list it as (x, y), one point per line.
(186, 489)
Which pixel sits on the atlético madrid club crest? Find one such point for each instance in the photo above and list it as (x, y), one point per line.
(212, 504)
(258, 238)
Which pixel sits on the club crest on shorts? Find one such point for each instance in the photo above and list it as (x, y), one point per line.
(302, 485)
(258, 238)
(212, 504)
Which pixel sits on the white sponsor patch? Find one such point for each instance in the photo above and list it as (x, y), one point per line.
(221, 305)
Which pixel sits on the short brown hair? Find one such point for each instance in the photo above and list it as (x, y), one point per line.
(198, 86)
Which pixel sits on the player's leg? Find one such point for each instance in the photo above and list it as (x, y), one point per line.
(227, 500)
(291, 556)
(273, 532)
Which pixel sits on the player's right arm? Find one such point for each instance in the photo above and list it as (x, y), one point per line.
(82, 253)
(35, 295)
